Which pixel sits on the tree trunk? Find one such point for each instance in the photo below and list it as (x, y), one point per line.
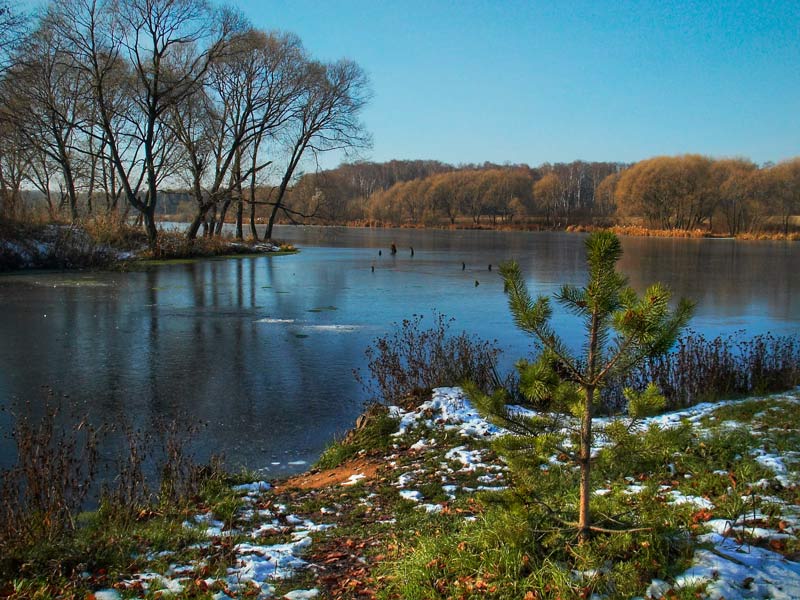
(585, 460)
(150, 228)
(253, 230)
(271, 223)
(278, 201)
(239, 199)
(239, 215)
(222, 215)
(210, 222)
(73, 196)
(194, 226)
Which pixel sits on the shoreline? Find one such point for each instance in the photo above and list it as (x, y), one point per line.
(25, 247)
(623, 230)
(75, 247)
(425, 491)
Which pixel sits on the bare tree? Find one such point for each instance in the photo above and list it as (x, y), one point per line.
(12, 29)
(284, 87)
(143, 57)
(49, 94)
(326, 119)
(248, 93)
(15, 159)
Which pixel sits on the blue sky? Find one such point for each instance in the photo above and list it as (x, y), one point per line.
(516, 81)
(556, 81)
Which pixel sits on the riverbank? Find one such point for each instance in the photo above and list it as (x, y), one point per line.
(415, 503)
(624, 230)
(102, 245)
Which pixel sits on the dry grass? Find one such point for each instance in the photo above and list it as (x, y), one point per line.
(700, 369)
(667, 233)
(112, 230)
(778, 237)
(172, 244)
(628, 230)
(642, 231)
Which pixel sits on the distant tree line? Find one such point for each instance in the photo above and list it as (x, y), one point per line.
(105, 103)
(692, 191)
(433, 193)
(688, 192)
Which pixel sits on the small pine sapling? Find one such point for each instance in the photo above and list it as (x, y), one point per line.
(622, 330)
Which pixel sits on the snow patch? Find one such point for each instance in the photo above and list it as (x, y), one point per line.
(302, 594)
(735, 572)
(412, 495)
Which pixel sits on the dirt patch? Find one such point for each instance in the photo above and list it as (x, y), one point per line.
(314, 480)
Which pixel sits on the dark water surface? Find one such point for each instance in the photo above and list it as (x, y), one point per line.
(263, 348)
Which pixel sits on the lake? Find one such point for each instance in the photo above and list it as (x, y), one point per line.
(263, 348)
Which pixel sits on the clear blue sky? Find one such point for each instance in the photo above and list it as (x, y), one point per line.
(535, 81)
(556, 81)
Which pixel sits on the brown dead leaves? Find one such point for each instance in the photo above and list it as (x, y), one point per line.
(313, 480)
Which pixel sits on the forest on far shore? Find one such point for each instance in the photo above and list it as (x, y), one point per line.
(689, 192)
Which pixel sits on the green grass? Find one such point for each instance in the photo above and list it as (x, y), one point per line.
(375, 435)
(523, 540)
(519, 543)
(511, 549)
(114, 542)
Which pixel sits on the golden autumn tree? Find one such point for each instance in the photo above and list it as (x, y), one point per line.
(784, 180)
(670, 192)
(546, 194)
(736, 203)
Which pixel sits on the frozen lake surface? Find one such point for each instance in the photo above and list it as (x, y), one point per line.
(263, 349)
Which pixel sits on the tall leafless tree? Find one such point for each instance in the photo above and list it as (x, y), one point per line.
(142, 57)
(50, 96)
(326, 119)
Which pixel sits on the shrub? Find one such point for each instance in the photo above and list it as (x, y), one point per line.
(163, 451)
(52, 246)
(43, 532)
(699, 369)
(114, 231)
(413, 358)
(42, 494)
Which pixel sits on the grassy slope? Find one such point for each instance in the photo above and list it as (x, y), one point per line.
(450, 540)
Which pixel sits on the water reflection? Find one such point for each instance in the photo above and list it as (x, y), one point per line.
(263, 348)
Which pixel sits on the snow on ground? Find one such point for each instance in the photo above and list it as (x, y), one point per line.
(675, 497)
(449, 408)
(56, 241)
(252, 488)
(728, 569)
(354, 479)
(732, 571)
(470, 459)
(302, 594)
(256, 565)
